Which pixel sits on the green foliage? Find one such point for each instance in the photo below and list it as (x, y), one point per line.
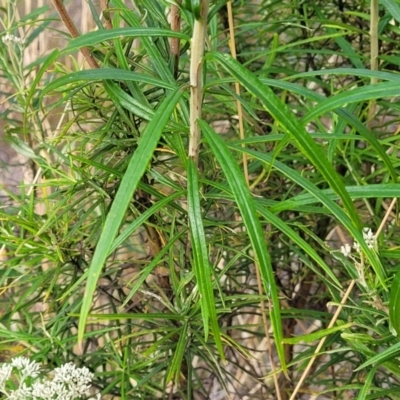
(149, 260)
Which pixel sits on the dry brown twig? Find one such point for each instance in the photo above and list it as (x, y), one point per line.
(62, 11)
(322, 341)
(175, 42)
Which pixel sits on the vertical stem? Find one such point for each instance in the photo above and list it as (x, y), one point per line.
(196, 81)
(232, 45)
(175, 42)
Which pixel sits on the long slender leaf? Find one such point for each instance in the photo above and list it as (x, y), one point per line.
(365, 73)
(342, 113)
(355, 192)
(160, 65)
(92, 38)
(106, 73)
(248, 212)
(310, 337)
(357, 95)
(201, 263)
(381, 357)
(38, 76)
(329, 204)
(176, 363)
(129, 182)
(283, 227)
(393, 7)
(367, 384)
(343, 44)
(394, 303)
(291, 126)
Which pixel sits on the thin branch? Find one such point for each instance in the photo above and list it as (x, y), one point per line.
(62, 11)
(385, 218)
(175, 42)
(232, 45)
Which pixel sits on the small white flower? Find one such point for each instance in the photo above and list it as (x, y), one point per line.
(69, 382)
(369, 238)
(78, 380)
(21, 393)
(26, 367)
(48, 389)
(5, 373)
(9, 39)
(345, 250)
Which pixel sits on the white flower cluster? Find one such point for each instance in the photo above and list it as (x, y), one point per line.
(345, 250)
(69, 382)
(9, 39)
(369, 238)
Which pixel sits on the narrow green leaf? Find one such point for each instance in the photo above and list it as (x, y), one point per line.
(106, 73)
(378, 191)
(95, 15)
(143, 217)
(126, 101)
(311, 337)
(344, 45)
(393, 8)
(129, 182)
(140, 316)
(38, 76)
(338, 213)
(394, 303)
(362, 395)
(381, 357)
(92, 38)
(133, 87)
(291, 126)
(342, 113)
(353, 72)
(247, 208)
(147, 270)
(201, 263)
(158, 63)
(176, 363)
(289, 232)
(360, 94)
(119, 103)
(21, 147)
(370, 137)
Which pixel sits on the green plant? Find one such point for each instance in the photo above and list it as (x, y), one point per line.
(189, 199)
